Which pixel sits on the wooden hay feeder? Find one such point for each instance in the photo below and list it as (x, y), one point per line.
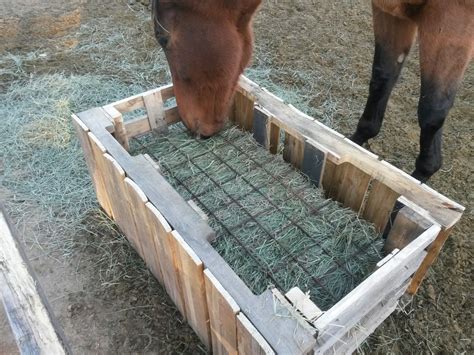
(173, 238)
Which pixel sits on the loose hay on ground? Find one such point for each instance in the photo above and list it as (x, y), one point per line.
(273, 226)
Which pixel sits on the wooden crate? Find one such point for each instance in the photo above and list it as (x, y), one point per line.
(173, 239)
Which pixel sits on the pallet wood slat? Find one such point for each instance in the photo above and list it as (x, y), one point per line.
(242, 110)
(352, 184)
(138, 202)
(141, 125)
(191, 272)
(31, 320)
(120, 132)
(380, 203)
(433, 253)
(99, 177)
(293, 150)
(223, 311)
(162, 236)
(273, 134)
(249, 340)
(121, 209)
(407, 226)
(155, 111)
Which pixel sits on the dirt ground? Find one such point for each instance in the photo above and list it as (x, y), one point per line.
(323, 48)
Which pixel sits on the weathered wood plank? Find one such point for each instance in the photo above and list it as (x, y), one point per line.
(155, 111)
(273, 134)
(443, 210)
(293, 150)
(141, 125)
(249, 340)
(333, 324)
(94, 170)
(120, 132)
(121, 208)
(407, 226)
(162, 235)
(242, 110)
(379, 204)
(100, 176)
(432, 255)
(138, 202)
(31, 320)
(222, 314)
(191, 275)
(351, 186)
(303, 304)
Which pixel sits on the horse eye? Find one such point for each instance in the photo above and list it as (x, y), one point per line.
(163, 41)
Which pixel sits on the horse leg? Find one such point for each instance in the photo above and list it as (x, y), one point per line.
(444, 57)
(394, 37)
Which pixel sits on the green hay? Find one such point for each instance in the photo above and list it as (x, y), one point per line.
(288, 243)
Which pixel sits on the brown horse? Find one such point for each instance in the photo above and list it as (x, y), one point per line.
(208, 43)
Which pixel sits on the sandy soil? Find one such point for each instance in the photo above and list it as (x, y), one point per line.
(317, 44)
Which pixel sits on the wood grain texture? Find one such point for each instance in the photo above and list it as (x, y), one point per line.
(31, 320)
(379, 205)
(293, 150)
(162, 237)
(191, 275)
(432, 255)
(99, 176)
(155, 111)
(222, 314)
(249, 340)
(351, 186)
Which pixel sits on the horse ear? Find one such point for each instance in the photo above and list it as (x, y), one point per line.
(247, 10)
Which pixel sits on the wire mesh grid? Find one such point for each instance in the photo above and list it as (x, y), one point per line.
(273, 227)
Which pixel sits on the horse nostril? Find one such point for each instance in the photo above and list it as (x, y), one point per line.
(205, 137)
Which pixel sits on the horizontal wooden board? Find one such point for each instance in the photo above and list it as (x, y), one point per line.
(31, 320)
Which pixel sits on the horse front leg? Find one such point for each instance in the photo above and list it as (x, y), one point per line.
(446, 48)
(394, 37)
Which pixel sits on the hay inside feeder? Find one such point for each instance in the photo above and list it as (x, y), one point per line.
(274, 228)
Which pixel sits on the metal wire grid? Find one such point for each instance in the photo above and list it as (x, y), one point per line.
(195, 170)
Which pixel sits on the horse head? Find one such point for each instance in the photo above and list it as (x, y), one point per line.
(207, 44)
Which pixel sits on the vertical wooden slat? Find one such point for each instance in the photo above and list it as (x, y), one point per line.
(161, 232)
(407, 226)
(242, 110)
(328, 177)
(273, 136)
(222, 315)
(293, 151)
(145, 240)
(155, 111)
(120, 131)
(191, 276)
(379, 204)
(100, 176)
(351, 186)
(432, 255)
(250, 341)
(119, 201)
